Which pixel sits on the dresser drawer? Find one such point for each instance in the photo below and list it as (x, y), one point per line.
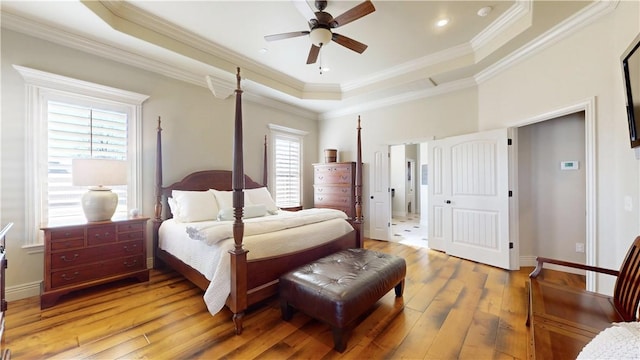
(339, 200)
(333, 174)
(336, 190)
(101, 234)
(96, 271)
(64, 259)
(67, 234)
(67, 244)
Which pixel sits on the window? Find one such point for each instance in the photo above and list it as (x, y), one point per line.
(66, 119)
(286, 162)
(86, 132)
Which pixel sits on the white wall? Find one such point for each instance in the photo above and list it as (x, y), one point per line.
(584, 65)
(198, 132)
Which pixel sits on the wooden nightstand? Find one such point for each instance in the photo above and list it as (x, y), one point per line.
(83, 255)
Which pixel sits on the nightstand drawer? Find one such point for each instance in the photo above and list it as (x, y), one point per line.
(101, 234)
(65, 259)
(67, 234)
(139, 226)
(130, 236)
(96, 271)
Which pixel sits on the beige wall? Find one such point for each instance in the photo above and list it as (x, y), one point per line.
(416, 121)
(552, 201)
(198, 132)
(584, 65)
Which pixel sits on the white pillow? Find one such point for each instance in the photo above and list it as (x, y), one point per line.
(194, 206)
(225, 198)
(250, 211)
(262, 196)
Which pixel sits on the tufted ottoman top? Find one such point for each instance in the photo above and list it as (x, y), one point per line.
(340, 287)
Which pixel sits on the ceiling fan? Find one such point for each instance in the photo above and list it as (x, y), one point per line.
(321, 23)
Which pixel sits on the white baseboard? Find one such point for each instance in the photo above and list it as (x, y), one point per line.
(23, 291)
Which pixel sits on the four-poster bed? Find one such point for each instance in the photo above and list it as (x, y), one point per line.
(251, 279)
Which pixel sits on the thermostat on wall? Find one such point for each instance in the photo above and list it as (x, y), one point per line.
(569, 165)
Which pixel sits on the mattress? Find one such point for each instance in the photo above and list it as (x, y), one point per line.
(212, 260)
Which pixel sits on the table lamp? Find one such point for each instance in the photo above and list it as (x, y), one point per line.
(99, 203)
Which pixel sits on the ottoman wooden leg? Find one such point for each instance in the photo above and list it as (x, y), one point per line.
(340, 338)
(400, 288)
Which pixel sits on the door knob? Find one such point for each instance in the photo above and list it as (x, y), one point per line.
(372, 196)
(447, 201)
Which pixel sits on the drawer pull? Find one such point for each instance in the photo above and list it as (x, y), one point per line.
(320, 198)
(64, 258)
(132, 264)
(126, 248)
(65, 277)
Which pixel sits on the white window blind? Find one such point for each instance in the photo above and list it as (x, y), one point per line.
(287, 151)
(76, 131)
(286, 165)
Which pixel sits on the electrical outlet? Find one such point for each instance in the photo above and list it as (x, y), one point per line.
(580, 247)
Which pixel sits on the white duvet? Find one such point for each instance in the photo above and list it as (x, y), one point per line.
(207, 245)
(213, 231)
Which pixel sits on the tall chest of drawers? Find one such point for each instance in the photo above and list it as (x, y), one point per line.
(84, 255)
(334, 186)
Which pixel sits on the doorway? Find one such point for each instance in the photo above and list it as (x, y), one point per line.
(407, 226)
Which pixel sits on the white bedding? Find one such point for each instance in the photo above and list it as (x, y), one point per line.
(267, 239)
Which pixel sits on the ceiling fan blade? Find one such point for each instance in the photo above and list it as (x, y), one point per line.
(349, 43)
(305, 9)
(354, 13)
(285, 35)
(313, 54)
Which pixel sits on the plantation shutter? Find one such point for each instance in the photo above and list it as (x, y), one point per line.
(80, 132)
(287, 151)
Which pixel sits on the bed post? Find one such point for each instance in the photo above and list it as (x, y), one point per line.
(265, 169)
(238, 296)
(358, 189)
(157, 219)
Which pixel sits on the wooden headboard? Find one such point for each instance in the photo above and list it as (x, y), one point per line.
(202, 181)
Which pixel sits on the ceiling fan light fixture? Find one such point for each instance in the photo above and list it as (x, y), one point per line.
(320, 36)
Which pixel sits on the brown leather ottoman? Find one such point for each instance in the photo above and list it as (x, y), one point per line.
(338, 288)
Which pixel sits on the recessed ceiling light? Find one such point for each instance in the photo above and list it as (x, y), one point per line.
(442, 22)
(484, 11)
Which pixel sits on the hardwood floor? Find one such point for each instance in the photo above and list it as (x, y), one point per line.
(451, 308)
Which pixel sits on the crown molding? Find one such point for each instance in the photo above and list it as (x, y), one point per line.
(57, 36)
(568, 27)
(401, 98)
(502, 23)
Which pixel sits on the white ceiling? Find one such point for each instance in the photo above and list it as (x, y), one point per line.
(204, 41)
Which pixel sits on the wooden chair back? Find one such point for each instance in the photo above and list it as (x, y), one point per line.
(626, 296)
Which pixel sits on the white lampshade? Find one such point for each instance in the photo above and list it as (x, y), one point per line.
(99, 203)
(320, 36)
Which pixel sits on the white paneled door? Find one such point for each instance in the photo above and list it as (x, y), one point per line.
(469, 197)
(380, 201)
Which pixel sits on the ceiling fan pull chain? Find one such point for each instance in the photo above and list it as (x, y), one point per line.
(320, 67)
